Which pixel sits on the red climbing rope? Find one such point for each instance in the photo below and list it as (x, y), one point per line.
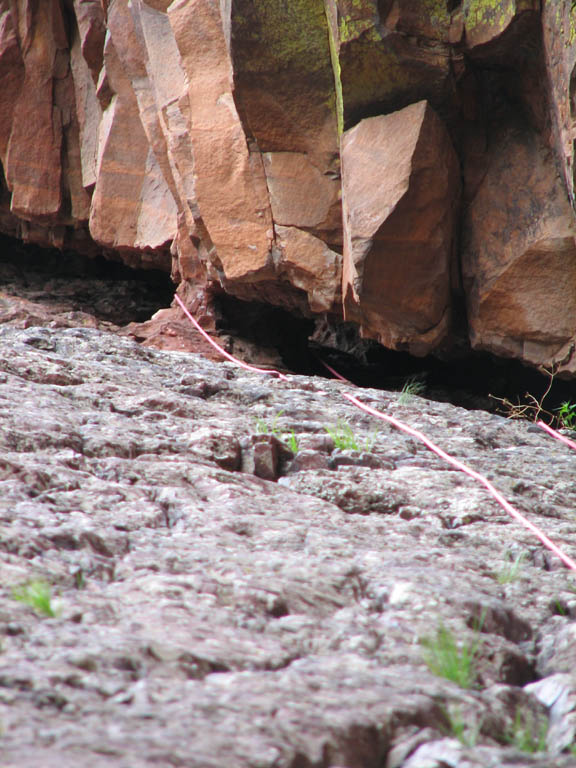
(472, 473)
(557, 435)
(223, 352)
(548, 543)
(335, 373)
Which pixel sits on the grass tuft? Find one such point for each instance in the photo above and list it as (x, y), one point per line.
(412, 386)
(446, 658)
(527, 734)
(263, 428)
(567, 415)
(344, 438)
(288, 438)
(466, 732)
(292, 442)
(511, 571)
(38, 595)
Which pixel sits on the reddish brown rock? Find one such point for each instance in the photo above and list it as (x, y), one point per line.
(11, 75)
(310, 265)
(303, 196)
(519, 258)
(286, 98)
(33, 164)
(494, 24)
(388, 55)
(203, 137)
(132, 205)
(559, 34)
(400, 196)
(160, 95)
(169, 329)
(230, 182)
(89, 115)
(91, 21)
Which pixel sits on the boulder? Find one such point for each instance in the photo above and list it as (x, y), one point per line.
(496, 24)
(519, 255)
(400, 196)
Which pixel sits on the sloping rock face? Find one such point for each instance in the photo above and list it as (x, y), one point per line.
(220, 600)
(214, 139)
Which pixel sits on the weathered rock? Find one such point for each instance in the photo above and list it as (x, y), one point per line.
(284, 89)
(519, 261)
(12, 75)
(203, 137)
(302, 196)
(33, 163)
(230, 182)
(559, 33)
(389, 55)
(132, 205)
(400, 198)
(493, 28)
(310, 265)
(211, 617)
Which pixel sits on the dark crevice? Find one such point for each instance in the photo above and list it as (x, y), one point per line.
(65, 281)
(476, 380)
(268, 327)
(470, 379)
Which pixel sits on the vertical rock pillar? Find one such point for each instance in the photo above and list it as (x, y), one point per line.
(401, 186)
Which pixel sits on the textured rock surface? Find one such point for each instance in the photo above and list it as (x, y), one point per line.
(401, 185)
(520, 261)
(207, 616)
(208, 134)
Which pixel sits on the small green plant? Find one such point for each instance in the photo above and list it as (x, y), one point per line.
(466, 732)
(289, 438)
(412, 386)
(567, 415)
(263, 428)
(511, 571)
(559, 607)
(38, 595)
(447, 658)
(292, 441)
(79, 579)
(526, 734)
(344, 438)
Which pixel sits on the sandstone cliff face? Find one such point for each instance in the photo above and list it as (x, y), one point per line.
(382, 161)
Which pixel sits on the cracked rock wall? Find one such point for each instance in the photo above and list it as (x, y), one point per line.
(217, 139)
